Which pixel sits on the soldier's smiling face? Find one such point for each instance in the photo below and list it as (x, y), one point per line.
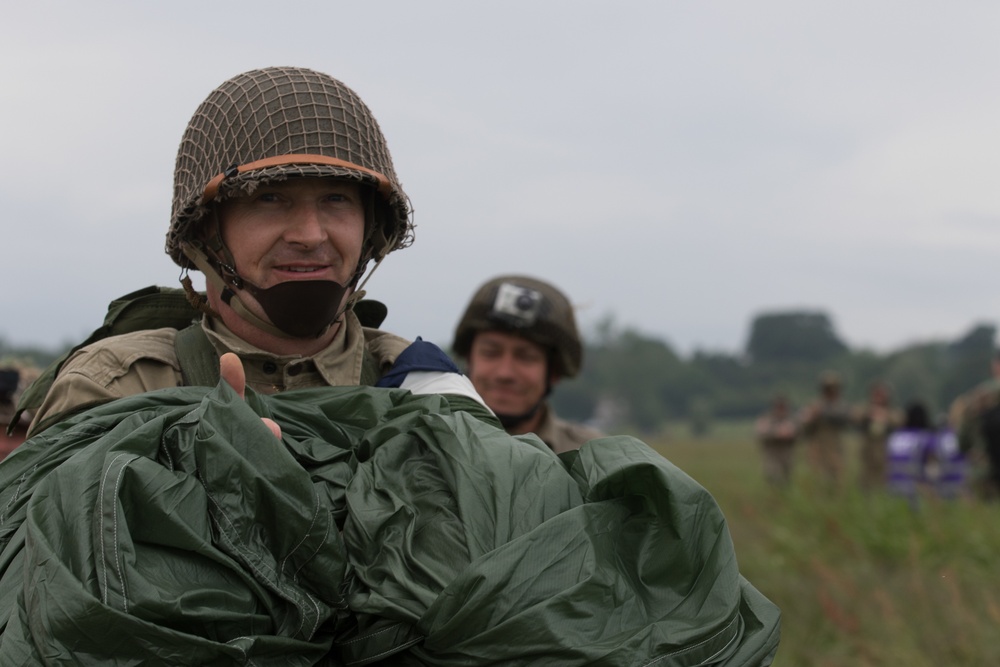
(508, 371)
(299, 229)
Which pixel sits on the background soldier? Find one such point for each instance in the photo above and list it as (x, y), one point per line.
(823, 424)
(777, 432)
(975, 417)
(875, 421)
(519, 339)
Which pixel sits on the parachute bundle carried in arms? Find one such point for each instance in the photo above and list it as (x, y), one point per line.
(384, 527)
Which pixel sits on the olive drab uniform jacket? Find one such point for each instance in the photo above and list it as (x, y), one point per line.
(823, 425)
(561, 435)
(142, 361)
(973, 416)
(875, 423)
(777, 436)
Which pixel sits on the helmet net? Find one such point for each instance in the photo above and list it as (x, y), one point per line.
(284, 111)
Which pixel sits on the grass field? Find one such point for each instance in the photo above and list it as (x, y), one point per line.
(862, 581)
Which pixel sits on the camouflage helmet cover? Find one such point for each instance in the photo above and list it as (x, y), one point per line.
(527, 307)
(274, 123)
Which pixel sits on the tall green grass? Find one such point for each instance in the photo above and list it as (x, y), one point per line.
(862, 580)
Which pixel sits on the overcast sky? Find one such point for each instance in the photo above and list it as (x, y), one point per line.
(681, 166)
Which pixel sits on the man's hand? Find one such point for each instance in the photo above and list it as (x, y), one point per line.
(231, 370)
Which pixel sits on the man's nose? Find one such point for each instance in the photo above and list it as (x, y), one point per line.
(305, 226)
(505, 366)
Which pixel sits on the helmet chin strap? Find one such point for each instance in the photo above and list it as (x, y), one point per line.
(297, 309)
(509, 421)
(512, 421)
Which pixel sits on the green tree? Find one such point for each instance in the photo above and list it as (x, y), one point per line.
(793, 336)
(638, 373)
(576, 399)
(29, 354)
(700, 414)
(653, 386)
(914, 374)
(968, 361)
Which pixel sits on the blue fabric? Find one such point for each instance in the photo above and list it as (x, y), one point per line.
(419, 356)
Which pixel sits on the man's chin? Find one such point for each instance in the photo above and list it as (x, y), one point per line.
(506, 407)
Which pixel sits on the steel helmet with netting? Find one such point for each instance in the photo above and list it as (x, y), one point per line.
(280, 122)
(527, 307)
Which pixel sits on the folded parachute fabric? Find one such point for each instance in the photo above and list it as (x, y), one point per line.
(385, 527)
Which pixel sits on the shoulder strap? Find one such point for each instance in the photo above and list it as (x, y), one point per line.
(198, 359)
(157, 307)
(371, 314)
(151, 307)
(370, 371)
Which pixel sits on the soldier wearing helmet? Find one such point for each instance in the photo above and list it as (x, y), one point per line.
(824, 423)
(876, 419)
(284, 196)
(519, 339)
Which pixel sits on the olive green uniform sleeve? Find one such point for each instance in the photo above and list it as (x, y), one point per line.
(563, 436)
(384, 346)
(109, 369)
(134, 363)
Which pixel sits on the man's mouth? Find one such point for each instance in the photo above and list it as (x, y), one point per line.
(504, 391)
(303, 270)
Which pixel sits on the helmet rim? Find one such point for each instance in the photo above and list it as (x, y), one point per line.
(554, 330)
(279, 118)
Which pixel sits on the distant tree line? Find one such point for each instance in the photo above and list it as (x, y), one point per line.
(29, 355)
(631, 380)
(635, 381)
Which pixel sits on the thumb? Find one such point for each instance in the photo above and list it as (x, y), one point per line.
(273, 425)
(231, 370)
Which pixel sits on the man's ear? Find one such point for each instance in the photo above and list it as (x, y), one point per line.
(209, 230)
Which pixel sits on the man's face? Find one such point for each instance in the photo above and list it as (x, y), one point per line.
(299, 229)
(508, 371)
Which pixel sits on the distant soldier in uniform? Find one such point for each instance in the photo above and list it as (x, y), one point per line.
(875, 420)
(519, 339)
(823, 424)
(777, 432)
(975, 417)
(13, 426)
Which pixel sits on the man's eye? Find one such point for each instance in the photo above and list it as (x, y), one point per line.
(267, 197)
(529, 357)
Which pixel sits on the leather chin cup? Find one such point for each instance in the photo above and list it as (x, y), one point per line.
(300, 308)
(295, 308)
